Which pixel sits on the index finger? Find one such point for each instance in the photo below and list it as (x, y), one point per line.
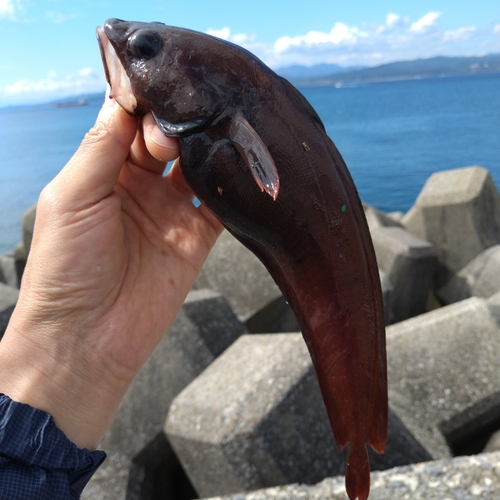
(92, 172)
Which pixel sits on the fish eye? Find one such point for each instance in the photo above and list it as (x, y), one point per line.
(145, 43)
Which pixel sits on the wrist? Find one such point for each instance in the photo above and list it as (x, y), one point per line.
(81, 395)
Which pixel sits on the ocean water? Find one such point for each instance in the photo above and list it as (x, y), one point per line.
(392, 135)
(35, 143)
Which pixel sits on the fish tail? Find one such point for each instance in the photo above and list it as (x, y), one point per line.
(377, 431)
(378, 434)
(357, 474)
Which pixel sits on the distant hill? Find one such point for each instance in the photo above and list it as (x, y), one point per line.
(298, 72)
(404, 70)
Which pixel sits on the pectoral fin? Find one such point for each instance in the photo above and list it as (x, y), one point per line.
(256, 155)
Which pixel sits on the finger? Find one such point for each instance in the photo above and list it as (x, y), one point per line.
(141, 157)
(91, 173)
(163, 148)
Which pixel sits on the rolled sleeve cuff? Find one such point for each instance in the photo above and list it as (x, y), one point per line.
(37, 460)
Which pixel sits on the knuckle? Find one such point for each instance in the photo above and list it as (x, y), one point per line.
(98, 133)
(49, 199)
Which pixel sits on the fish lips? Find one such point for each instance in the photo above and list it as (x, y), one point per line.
(116, 76)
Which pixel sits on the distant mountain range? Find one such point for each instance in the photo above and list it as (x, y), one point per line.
(332, 74)
(298, 73)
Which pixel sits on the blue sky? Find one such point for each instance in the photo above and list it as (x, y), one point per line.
(49, 49)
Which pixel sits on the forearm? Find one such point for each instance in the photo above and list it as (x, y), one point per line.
(82, 403)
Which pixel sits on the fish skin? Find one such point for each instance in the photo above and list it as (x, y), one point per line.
(313, 237)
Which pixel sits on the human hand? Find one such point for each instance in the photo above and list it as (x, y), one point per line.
(116, 248)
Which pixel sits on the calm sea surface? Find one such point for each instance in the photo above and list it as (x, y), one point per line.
(392, 136)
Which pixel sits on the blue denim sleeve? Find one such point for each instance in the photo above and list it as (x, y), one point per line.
(37, 461)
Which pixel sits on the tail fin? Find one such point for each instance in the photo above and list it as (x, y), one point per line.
(357, 474)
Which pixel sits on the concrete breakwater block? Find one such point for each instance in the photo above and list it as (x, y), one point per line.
(493, 443)
(444, 375)
(409, 264)
(9, 271)
(376, 218)
(237, 274)
(255, 418)
(8, 300)
(387, 294)
(137, 448)
(462, 478)
(458, 211)
(479, 278)
(12, 266)
(27, 226)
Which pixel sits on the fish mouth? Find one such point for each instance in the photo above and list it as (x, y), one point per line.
(116, 76)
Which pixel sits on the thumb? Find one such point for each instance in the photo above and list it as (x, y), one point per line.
(161, 147)
(92, 172)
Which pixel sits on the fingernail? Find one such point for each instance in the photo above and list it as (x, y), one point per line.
(162, 140)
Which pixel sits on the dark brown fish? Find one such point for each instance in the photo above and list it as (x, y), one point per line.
(255, 152)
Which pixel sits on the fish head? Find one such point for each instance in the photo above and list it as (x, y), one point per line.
(187, 80)
(163, 69)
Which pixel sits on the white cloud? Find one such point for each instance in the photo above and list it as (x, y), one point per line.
(393, 22)
(397, 38)
(339, 34)
(243, 38)
(53, 86)
(239, 38)
(249, 42)
(425, 23)
(87, 72)
(59, 17)
(8, 8)
(392, 19)
(223, 33)
(460, 34)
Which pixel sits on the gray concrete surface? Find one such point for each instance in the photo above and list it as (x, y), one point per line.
(462, 478)
(235, 272)
(135, 443)
(444, 373)
(8, 300)
(458, 211)
(255, 418)
(479, 278)
(409, 264)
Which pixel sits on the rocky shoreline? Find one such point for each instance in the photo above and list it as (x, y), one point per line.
(228, 404)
